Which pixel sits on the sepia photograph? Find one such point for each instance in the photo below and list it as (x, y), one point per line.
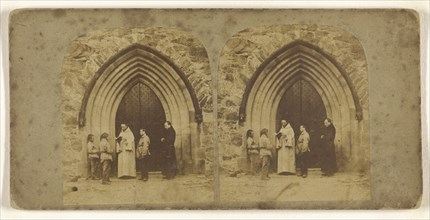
(136, 116)
(215, 109)
(302, 132)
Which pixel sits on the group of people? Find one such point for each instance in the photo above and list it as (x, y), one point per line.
(100, 157)
(288, 150)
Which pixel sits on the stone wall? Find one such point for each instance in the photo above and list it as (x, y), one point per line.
(89, 52)
(242, 54)
(245, 51)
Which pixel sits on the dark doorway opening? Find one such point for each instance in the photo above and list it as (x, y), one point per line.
(301, 104)
(141, 108)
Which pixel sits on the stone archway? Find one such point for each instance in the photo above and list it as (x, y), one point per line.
(301, 60)
(139, 63)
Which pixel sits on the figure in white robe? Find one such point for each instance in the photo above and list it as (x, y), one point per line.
(126, 153)
(286, 151)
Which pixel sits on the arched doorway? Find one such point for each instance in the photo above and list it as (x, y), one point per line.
(140, 74)
(141, 108)
(304, 63)
(302, 105)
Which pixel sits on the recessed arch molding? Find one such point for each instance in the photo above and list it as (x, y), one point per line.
(134, 49)
(275, 61)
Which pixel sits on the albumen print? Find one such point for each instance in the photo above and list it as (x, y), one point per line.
(215, 109)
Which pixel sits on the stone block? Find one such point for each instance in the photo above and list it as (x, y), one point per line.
(229, 77)
(207, 128)
(227, 157)
(237, 140)
(232, 116)
(198, 52)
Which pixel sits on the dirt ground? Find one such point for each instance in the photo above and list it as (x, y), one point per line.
(341, 186)
(186, 189)
(195, 189)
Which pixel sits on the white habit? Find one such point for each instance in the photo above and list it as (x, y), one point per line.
(126, 154)
(286, 152)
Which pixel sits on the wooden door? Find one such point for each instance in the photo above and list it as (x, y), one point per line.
(301, 104)
(141, 108)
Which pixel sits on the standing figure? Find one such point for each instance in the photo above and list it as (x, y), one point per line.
(168, 151)
(252, 152)
(302, 151)
(106, 151)
(328, 157)
(126, 153)
(265, 154)
(286, 152)
(93, 156)
(143, 154)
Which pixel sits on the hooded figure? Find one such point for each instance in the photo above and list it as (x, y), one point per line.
(286, 151)
(126, 153)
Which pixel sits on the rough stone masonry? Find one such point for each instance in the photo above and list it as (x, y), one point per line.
(243, 54)
(89, 52)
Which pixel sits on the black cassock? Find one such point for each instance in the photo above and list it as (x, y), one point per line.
(168, 153)
(328, 157)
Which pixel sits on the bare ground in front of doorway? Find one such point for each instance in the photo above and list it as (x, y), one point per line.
(156, 192)
(193, 190)
(340, 187)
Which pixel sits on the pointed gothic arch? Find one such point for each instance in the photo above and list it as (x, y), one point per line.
(141, 64)
(302, 60)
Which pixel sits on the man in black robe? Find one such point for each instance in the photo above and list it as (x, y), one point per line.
(328, 157)
(168, 151)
